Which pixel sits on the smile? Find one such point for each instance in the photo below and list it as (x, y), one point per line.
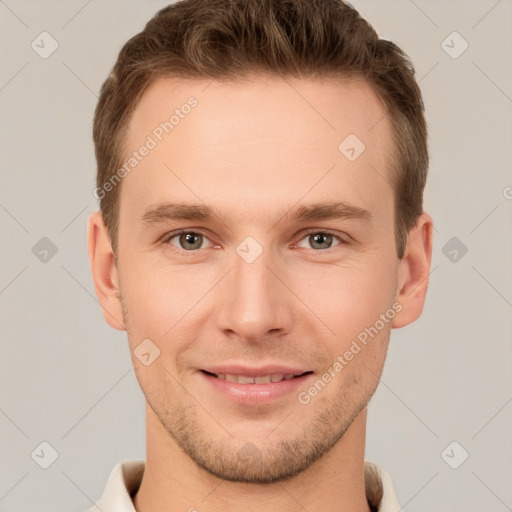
(260, 379)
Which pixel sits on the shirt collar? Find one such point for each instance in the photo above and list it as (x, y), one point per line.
(125, 479)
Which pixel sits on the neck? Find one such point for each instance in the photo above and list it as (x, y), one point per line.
(173, 482)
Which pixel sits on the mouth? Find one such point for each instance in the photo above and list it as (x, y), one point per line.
(259, 379)
(247, 385)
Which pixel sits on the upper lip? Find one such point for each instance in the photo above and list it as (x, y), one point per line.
(255, 372)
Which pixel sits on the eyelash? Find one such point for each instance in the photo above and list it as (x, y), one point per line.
(167, 238)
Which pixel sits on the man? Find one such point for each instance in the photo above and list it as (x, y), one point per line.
(261, 168)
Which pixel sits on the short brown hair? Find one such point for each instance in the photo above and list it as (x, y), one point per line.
(230, 39)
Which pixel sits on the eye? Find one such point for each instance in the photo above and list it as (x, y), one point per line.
(191, 241)
(321, 240)
(186, 240)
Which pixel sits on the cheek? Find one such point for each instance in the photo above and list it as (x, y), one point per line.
(169, 306)
(347, 298)
(158, 295)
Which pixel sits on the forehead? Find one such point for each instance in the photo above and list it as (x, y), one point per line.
(267, 137)
(329, 104)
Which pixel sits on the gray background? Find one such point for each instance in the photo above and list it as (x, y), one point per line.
(66, 377)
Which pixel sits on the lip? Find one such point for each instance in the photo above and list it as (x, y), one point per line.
(254, 394)
(255, 372)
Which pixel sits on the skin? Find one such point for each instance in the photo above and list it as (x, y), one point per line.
(253, 151)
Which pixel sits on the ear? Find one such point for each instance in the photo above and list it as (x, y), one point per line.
(414, 271)
(104, 271)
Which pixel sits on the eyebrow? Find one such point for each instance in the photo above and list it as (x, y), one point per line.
(319, 211)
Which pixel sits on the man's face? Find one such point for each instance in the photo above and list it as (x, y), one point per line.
(252, 290)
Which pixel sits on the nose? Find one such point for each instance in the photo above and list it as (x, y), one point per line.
(253, 301)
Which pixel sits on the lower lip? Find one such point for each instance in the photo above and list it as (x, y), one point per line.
(255, 394)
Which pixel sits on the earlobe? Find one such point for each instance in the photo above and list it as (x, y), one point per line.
(104, 272)
(414, 271)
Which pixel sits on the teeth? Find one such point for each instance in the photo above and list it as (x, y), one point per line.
(261, 379)
(242, 379)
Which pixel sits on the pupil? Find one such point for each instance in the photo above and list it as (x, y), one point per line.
(321, 238)
(188, 238)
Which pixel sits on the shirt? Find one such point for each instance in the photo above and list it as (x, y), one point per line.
(126, 477)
